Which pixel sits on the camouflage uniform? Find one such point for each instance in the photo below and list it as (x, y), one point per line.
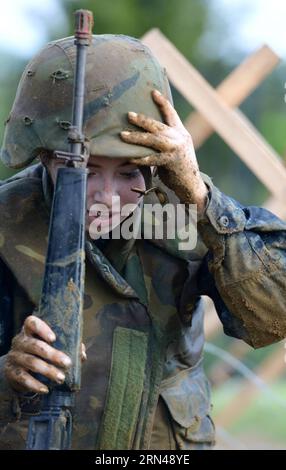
(143, 385)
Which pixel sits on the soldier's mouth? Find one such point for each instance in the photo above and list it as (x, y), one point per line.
(102, 219)
(102, 215)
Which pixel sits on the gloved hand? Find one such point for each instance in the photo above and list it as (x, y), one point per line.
(176, 161)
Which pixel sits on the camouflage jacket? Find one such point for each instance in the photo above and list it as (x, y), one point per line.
(143, 314)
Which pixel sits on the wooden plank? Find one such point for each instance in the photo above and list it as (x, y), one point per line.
(234, 89)
(234, 128)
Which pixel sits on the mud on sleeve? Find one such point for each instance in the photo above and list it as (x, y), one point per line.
(247, 261)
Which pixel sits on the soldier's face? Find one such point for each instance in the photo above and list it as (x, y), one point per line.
(109, 186)
(109, 189)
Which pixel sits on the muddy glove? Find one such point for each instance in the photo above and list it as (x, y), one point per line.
(176, 159)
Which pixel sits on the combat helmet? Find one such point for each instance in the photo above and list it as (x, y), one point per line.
(121, 72)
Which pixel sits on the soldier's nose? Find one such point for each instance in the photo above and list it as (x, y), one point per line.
(107, 192)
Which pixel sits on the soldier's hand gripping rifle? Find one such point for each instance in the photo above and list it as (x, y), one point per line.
(63, 286)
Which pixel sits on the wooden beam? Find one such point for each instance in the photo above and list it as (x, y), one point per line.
(278, 207)
(234, 89)
(234, 128)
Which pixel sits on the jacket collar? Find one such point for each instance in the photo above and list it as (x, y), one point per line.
(25, 205)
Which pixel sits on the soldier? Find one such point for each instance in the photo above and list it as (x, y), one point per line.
(143, 384)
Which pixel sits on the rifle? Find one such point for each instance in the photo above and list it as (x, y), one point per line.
(63, 285)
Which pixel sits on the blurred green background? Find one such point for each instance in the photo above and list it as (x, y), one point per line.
(204, 32)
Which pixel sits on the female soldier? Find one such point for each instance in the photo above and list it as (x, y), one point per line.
(143, 385)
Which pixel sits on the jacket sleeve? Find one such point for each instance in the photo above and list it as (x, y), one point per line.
(244, 271)
(6, 329)
(12, 403)
(6, 308)
(7, 396)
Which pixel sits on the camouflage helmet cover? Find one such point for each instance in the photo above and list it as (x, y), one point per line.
(121, 72)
